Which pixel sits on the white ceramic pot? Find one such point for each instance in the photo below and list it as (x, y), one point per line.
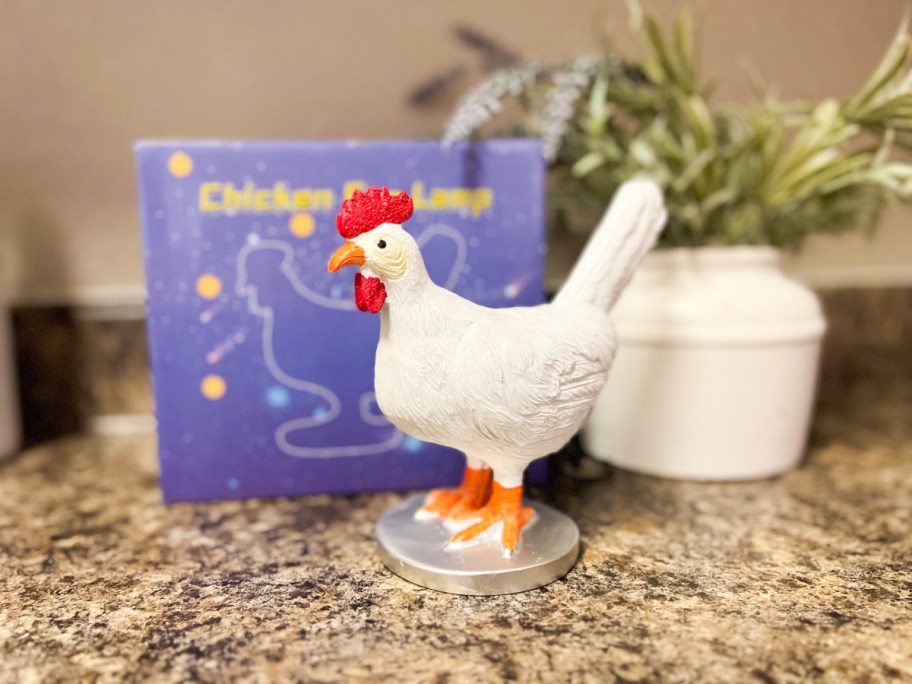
(716, 368)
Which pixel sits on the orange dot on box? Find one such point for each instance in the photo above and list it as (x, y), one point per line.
(301, 225)
(213, 387)
(180, 164)
(208, 286)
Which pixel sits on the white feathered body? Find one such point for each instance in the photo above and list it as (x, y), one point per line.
(499, 384)
(507, 386)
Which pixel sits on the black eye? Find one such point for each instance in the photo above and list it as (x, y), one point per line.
(381, 244)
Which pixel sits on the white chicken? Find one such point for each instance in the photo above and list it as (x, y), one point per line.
(504, 386)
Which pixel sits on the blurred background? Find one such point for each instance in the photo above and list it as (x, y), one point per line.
(80, 82)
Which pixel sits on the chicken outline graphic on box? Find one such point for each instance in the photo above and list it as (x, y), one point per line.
(504, 386)
(333, 407)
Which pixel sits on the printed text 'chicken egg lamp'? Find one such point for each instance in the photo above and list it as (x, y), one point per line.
(504, 386)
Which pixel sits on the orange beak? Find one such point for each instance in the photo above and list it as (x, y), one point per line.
(347, 255)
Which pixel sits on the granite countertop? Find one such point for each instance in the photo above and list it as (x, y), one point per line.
(806, 576)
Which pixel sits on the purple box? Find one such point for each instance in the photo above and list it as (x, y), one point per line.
(262, 365)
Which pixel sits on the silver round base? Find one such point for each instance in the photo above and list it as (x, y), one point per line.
(419, 551)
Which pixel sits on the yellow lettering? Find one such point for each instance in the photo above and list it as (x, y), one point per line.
(323, 199)
(207, 205)
(280, 199)
(261, 200)
(439, 198)
(301, 200)
(461, 198)
(473, 200)
(247, 197)
(418, 195)
(349, 188)
(227, 198)
(482, 199)
(231, 198)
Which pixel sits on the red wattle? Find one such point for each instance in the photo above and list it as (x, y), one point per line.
(370, 294)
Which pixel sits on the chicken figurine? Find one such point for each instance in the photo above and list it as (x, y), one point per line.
(503, 386)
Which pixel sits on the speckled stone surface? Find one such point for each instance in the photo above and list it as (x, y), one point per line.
(807, 577)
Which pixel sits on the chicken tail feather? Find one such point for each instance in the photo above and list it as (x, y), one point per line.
(626, 232)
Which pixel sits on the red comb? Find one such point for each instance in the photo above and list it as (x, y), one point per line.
(367, 210)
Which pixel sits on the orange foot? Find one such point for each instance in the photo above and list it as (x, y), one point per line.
(468, 497)
(505, 505)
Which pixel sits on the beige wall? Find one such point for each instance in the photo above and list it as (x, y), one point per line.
(79, 82)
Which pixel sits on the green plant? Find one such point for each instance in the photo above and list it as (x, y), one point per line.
(766, 173)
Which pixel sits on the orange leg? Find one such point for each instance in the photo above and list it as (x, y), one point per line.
(505, 505)
(469, 496)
